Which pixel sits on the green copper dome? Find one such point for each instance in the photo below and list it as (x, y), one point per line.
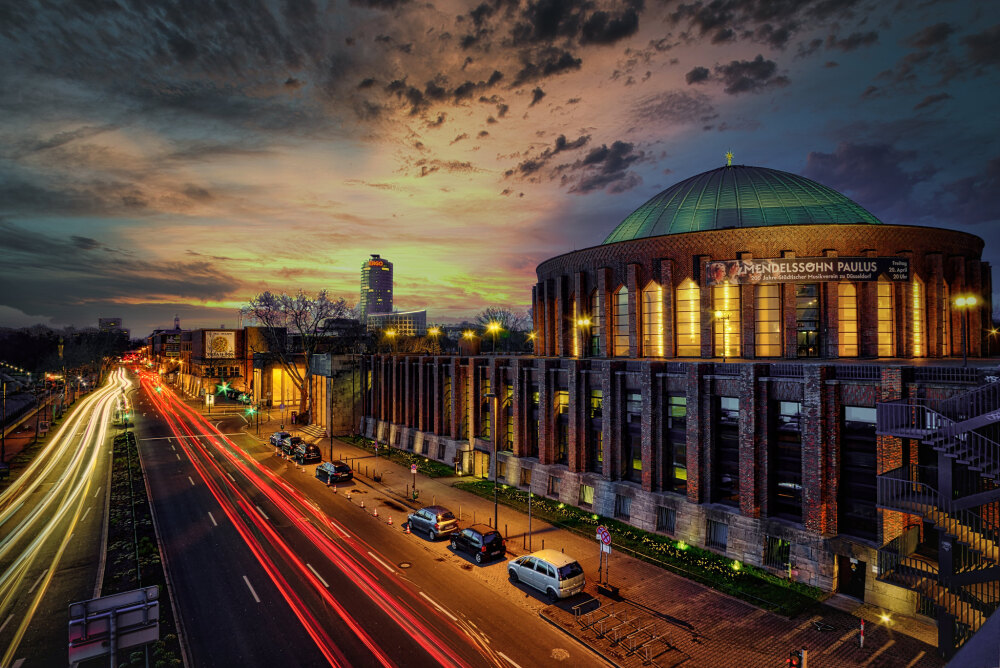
(739, 196)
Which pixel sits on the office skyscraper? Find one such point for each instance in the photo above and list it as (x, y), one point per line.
(376, 286)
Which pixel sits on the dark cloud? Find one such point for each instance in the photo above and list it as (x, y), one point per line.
(429, 166)
(536, 96)
(724, 35)
(438, 122)
(366, 83)
(852, 41)
(931, 99)
(872, 174)
(85, 243)
(673, 107)
(197, 193)
(930, 36)
(809, 48)
(606, 168)
(379, 4)
(483, 133)
(460, 138)
(984, 47)
(605, 28)
(293, 83)
(972, 200)
(749, 76)
(545, 63)
(534, 164)
(697, 75)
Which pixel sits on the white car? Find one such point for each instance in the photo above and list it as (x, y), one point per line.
(550, 572)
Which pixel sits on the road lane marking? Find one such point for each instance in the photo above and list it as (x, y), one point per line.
(212, 517)
(98, 491)
(250, 586)
(318, 575)
(508, 659)
(231, 477)
(18, 663)
(387, 566)
(262, 513)
(440, 609)
(180, 438)
(191, 481)
(6, 622)
(85, 514)
(173, 448)
(16, 508)
(38, 580)
(177, 455)
(915, 659)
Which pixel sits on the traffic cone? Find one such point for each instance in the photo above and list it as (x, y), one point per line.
(362, 503)
(375, 512)
(406, 527)
(348, 495)
(334, 489)
(390, 520)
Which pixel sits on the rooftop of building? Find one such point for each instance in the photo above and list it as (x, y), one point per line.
(739, 196)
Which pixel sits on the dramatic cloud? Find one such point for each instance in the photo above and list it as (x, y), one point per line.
(605, 168)
(972, 200)
(984, 47)
(931, 99)
(749, 76)
(852, 41)
(931, 35)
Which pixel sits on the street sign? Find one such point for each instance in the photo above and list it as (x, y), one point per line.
(281, 406)
(413, 468)
(103, 625)
(605, 548)
(604, 535)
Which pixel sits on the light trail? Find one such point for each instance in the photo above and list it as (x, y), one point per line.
(401, 612)
(37, 542)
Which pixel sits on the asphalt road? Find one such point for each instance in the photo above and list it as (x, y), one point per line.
(285, 570)
(52, 522)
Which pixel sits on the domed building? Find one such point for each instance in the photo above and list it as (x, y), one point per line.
(752, 363)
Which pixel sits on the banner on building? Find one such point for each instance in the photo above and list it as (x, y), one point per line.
(172, 347)
(806, 270)
(220, 344)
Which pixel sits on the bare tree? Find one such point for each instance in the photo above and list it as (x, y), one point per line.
(300, 316)
(506, 317)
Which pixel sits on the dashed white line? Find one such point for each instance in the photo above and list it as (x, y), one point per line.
(440, 609)
(191, 481)
(18, 663)
(6, 622)
(508, 659)
(177, 455)
(98, 491)
(318, 575)
(387, 566)
(38, 580)
(85, 514)
(262, 513)
(231, 477)
(212, 517)
(250, 586)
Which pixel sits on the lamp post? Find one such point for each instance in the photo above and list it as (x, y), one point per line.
(531, 337)
(724, 317)
(584, 325)
(989, 342)
(468, 335)
(964, 304)
(391, 335)
(493, 328)
(435, 332)
(493, 432)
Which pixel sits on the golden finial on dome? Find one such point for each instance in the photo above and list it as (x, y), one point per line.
(729, 158)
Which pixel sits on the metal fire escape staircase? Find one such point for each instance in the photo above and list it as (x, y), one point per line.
(960, 497)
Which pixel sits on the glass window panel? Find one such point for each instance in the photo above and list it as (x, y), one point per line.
(847, 317)
(919, 322)
(596, 315)
(807, 319)
(652, 321)
(946, 321)
(767, 340)
(726, 327)
(621, 323)
(688, 311)
(886, 343)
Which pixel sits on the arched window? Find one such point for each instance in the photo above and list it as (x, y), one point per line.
(596, 314)
(726, 303)
(687, 307)
(886, 330)
(919, 319)
(945, 320)
(767, 340)
(620, 322)
(652, 321)
(847, 319)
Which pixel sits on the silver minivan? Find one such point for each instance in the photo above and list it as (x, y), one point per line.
(549, 571)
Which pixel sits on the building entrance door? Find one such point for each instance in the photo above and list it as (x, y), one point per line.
(852, 577)
(480, 464)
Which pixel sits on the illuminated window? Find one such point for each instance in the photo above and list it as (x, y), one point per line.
(621, 322)
(919, 319)
(886, 345)
(596, 313)
(577, 331)
(847, 319)
(807, 319)
(726, 299)
(767, 341)
(946, 321)
(688, 310)
(652, 321)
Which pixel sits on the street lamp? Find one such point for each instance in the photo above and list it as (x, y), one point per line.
(584, 325)
(989, 341)
(964, 304)
(468, 335)
(531, 337)
(435, 332)
(493, 328)
(493, 433)
(391, 335)
(724, 317)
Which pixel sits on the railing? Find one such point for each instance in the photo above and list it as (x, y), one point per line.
(945, 374)
(787, 370)
(677, 367)
(724, 369)
(976, 449)
(970, 404)
(902, 489)
(912, 418)
(856, 372)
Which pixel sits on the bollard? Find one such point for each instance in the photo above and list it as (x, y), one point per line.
(543, 543)
(390, 520)
(505, 534)
(362, 503)
(375, 512)
(862, 637)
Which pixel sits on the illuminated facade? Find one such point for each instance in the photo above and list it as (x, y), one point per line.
(376, 286)
(403, 323)
(733, 367)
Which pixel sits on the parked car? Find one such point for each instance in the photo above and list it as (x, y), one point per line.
(481, 541)
(277, 437)
(551, 572)
(335, 471)
(306, 453)
(289, 444)
(435, 521)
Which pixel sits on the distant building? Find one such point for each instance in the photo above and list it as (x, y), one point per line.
(405, 323)
(112, 325)
(376, 286)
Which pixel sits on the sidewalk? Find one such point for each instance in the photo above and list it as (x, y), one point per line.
(657, 617)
